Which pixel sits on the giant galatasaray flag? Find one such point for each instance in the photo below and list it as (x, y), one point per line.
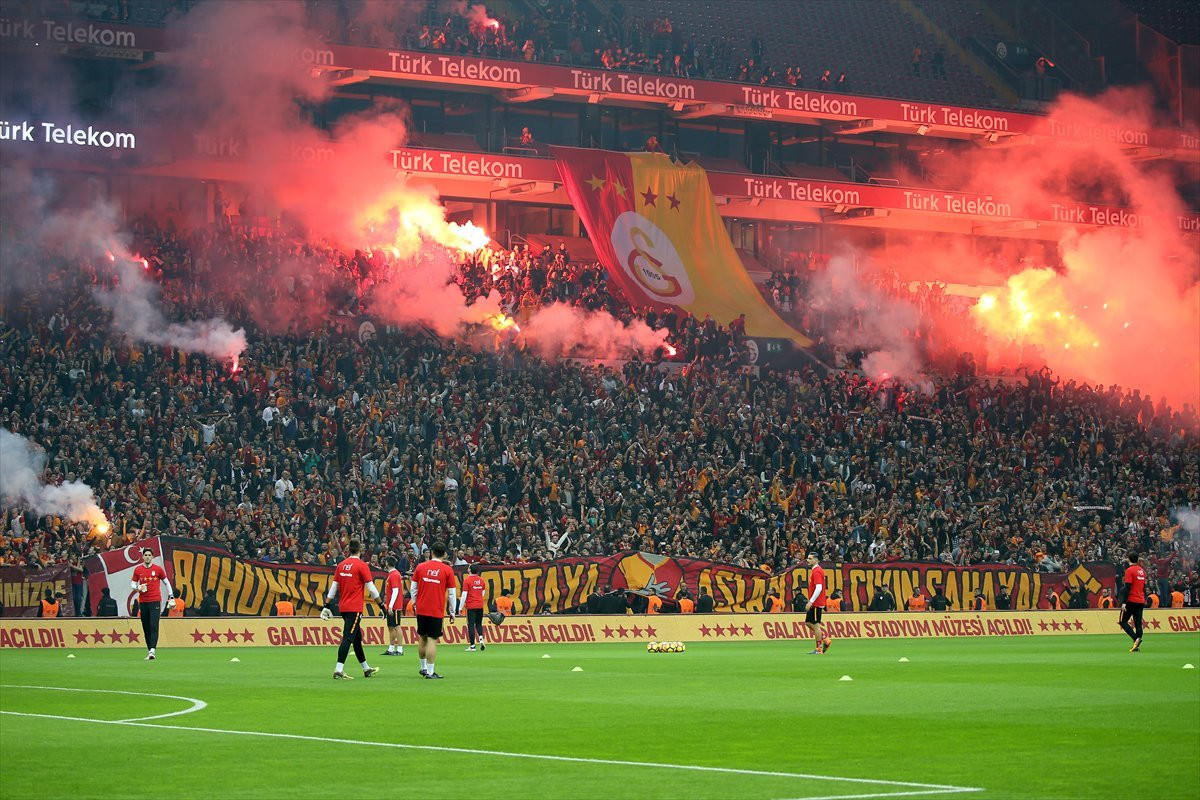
(656, 229)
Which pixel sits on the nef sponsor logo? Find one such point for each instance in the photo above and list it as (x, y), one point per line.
(649, 258)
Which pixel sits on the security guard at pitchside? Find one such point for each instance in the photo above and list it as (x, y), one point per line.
(283, 607)
(49, 607)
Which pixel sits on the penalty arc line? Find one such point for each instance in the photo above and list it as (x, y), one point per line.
(196, 705)
(921, 788)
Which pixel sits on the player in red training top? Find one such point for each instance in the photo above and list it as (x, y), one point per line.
(432, 581)
(393, 608)
(474, 595)
(1133, 600)
(815, 608)
(146, 579)
(349, 579)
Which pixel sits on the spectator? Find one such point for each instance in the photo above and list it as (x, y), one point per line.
(209, 607)
(107, 607)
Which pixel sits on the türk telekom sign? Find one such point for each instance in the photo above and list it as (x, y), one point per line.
(781, 102)
(826, 194)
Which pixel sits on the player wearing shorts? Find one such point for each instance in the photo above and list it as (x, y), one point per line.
(432, 581)
(814, 609)
(350, 578)
(393, 609)
(473, 599)
(1133, 600)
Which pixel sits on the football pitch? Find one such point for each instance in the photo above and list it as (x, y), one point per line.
(1046, 717)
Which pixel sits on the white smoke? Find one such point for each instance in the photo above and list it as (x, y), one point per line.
(21, 486)
(137, 313)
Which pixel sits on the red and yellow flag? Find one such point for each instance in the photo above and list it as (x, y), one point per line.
(656, 229)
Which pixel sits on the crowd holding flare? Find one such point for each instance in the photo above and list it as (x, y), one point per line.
(502, 322)
(22, 485)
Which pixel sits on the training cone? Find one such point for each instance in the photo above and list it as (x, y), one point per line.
(234, 660)
(545, 655)
(1185, 666)
(845, 678)
(577, 669)
(72, 655)
(903, 660)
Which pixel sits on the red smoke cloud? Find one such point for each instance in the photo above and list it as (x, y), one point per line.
(1111, 305)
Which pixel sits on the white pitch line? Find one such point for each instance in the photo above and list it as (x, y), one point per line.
(919, 793)
(922, 788)
(197, 705)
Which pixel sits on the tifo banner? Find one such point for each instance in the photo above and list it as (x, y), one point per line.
(250, 588)
(246, 587)
(22, 589)
(566, 583)
(656, 229)
(221, 632)
(113, 570)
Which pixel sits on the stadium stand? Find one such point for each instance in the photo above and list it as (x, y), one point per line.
(973, 471)
(685, 455)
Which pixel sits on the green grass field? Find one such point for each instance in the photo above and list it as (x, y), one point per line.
(1049, 717)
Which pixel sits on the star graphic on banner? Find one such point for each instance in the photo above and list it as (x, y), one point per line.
(1154, 623)
(1042, 624)
(733, 630)
(115, 637)
(213, 636)
(653, 634)
(595, 183)
(1078, 625)
(133, 636)
(637, 632)
(197, 636)
(747, 630)
(247, 636)
(649, 196)
(619, 188)
(230, 636)
(608, 632)
(622, 631)
(719, 631)
(674, 202)
(81, 637)
(97, 637)
(705, 630)
(1054, 624)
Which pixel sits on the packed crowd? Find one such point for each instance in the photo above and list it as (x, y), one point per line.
(405, 438)
(837, 309)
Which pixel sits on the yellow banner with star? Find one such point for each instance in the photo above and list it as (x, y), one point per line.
(655, 227)
(237, 632)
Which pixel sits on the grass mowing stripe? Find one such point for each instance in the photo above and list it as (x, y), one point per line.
(925, 788)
